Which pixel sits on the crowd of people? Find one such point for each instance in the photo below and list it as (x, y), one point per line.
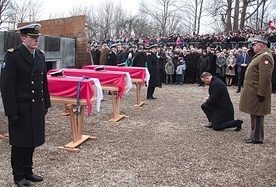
(249, 66)
(181, 64)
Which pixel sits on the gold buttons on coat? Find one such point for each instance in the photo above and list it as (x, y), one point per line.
(33, 100)
(32, 82)
(41, 82)
(32, 91)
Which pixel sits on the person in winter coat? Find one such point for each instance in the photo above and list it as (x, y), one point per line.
(139, 59)
(129, 60)
(256, 95)
(180, 71)
(169, 69)
(230, 68)
(104, 54)
(220, 66)
(191, 61)
(153, 70)
(203, 65)
(26, 99)
(242, 62)
(218, 107)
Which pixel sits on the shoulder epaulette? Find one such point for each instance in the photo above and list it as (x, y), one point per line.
(43, 52)
(11, 50)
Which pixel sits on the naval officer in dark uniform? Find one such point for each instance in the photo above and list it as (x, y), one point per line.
(26, 100)
(153, 70)
(112, 55)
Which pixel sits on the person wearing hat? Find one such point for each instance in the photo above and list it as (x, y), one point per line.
(112, 55)
(153, 70)
(26, 100)
(139, 60)
(96, 53)
(256, 95)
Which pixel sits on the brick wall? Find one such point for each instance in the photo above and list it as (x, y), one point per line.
(72, 27)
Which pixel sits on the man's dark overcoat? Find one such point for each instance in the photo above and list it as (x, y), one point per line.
(24, 90)
(153, 69)
(219, 99)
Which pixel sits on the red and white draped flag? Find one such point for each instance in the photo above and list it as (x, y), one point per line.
(271, 25)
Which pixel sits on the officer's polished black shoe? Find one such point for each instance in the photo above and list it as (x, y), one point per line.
(238, 91)
(151, 98)
(22, 183)
(209, 125)
(248, 140)
(34, 178)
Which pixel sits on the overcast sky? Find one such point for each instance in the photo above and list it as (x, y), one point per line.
(57, 6)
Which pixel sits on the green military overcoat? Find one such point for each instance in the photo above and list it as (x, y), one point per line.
(257, 81)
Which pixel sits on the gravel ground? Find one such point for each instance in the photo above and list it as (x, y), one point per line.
(162, 143)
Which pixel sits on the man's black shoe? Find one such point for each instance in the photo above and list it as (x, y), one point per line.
(22, 183)
(153, 97)
(239, 125)
(238, 91)
(209, 125)
(34, 178)
(248, 140)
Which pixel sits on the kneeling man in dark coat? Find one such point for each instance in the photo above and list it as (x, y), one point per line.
(218, 106)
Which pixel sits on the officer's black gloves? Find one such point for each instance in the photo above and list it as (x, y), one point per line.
(261, 98)
(13, 119)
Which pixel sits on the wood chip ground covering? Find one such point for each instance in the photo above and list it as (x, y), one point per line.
(163, 143)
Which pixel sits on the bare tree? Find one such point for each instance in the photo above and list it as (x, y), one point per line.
(193, 8)
(4, 8)
(236, 16)
(243, 12)
(161, 12)
(23, 11)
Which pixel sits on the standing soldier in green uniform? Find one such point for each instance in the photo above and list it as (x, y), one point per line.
(26, 100)
(256, 95)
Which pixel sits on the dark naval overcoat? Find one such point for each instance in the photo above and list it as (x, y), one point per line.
(24, 90)
(153, 69)
(219, 99)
